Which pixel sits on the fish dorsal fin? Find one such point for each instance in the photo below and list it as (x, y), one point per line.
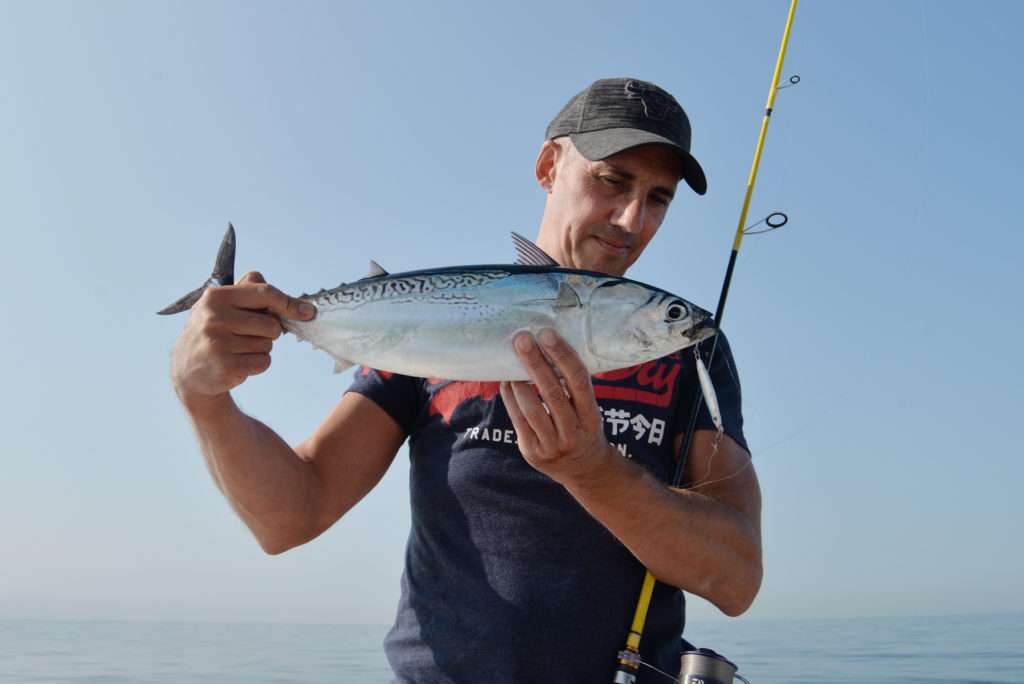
(530, 254)
(567, 297)
(376, 270)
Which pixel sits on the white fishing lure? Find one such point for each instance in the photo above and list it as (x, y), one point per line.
(707, 388)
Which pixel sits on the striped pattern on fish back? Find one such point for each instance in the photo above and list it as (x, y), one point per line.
(397, 287)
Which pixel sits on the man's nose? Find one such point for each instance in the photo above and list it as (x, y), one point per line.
(631, 215)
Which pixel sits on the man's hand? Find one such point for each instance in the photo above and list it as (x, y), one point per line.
(229, 335)
(706, 540)
(563, 436)
(285, 496)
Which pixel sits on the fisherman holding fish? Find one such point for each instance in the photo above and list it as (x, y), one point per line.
(536, 505)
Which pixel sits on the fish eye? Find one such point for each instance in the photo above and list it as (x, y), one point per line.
(675, 311)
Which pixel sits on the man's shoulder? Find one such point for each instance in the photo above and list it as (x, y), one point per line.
(399, 395)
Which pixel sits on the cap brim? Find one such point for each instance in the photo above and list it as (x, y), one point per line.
(598, 145)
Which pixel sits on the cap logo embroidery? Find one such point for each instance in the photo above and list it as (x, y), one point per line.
(656, 105)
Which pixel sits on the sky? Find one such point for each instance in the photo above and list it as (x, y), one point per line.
(877, 335)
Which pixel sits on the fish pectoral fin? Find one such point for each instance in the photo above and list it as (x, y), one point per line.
(567, 297)
(342, 365)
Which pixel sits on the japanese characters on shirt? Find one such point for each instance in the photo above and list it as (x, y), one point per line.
(635, 404)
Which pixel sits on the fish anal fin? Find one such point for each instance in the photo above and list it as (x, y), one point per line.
(342, 365)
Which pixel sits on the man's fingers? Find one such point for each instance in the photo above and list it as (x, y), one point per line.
(256, 294)
(574, 372)
(527, 438)
(561, 434)
(533, 410)
(234, 321)
(252, 323)
(550, 388)
(250, 344)
(251, 277)
(254, 364)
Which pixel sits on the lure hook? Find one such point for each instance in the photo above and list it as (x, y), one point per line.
(791, 81)
(774, 220)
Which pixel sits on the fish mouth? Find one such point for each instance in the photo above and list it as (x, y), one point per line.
(701, 331)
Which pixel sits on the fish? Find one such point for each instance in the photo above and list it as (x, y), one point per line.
(458, 322)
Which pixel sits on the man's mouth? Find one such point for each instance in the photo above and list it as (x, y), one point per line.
(613, 245)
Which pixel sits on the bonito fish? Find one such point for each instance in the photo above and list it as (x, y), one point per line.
(458, 323)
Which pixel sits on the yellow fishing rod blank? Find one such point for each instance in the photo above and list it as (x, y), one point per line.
(629, 658)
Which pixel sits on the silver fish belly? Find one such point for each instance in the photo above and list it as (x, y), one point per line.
(455, 325)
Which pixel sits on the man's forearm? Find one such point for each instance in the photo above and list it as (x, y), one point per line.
(268, 485)
(685, 538)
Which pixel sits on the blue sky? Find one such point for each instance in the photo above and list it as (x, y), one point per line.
(877, 335)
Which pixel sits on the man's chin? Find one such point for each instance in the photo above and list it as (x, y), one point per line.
(608, 257)
(615, 265)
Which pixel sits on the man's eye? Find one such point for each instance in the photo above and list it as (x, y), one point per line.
(612, 181)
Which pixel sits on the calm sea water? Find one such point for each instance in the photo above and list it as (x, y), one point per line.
(975, 649)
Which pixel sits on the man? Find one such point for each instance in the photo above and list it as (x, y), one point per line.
(535, 506)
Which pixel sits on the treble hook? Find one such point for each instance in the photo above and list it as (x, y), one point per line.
(774, 220)
(793, 80)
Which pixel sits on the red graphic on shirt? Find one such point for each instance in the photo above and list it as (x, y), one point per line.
(445, 400)
(653, 383)
(385, 375)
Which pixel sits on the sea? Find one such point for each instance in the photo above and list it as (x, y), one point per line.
(979, 649)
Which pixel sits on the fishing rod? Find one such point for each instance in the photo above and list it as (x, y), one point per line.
(710, 669)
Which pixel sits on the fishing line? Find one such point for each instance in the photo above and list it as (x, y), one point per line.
(697, 484)
(783, 440)
(705, 483)
(792, 81)
(628, 659)
(661, 672)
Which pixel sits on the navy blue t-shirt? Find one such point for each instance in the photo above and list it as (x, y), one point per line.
(507, 578)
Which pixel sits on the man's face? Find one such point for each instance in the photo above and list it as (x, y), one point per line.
(600, 215)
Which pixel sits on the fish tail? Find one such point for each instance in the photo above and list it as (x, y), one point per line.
(223, 274)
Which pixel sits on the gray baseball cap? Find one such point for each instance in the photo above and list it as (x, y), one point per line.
(615, 114)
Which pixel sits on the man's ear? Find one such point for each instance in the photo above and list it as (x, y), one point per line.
(547, 163)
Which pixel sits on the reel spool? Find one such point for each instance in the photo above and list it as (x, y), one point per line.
(704, 666)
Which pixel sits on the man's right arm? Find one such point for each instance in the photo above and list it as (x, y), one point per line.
(285, 496)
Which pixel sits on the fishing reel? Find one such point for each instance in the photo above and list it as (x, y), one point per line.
(697, 666)
(704, 666)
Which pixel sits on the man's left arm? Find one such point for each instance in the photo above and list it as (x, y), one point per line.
(705, 539)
